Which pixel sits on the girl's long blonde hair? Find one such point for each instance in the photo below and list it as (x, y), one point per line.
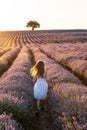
(38, 69)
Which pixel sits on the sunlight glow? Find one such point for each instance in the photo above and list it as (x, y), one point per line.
(51, 14)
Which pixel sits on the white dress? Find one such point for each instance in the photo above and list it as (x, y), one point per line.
(40, 89)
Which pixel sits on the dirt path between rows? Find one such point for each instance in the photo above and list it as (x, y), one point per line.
(41, 122)
(44, 120)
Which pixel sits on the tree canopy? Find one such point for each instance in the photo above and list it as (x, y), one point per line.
(33, 25)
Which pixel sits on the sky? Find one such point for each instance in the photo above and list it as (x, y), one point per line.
(51, 14)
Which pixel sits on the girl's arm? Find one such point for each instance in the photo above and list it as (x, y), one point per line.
(45, 74)
(35, 79)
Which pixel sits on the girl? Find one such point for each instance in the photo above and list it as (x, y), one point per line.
(38, 72)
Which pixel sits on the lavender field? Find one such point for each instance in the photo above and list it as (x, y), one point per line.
(65, 53)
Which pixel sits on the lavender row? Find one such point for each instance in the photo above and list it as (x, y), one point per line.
(69, 106)
(8, 123)
(7, 58)
(67, 51)
(67, 101)
(15, 84)
(4, 50)
(10, 41)
(16, 95)
(58, 71)
(69, 55)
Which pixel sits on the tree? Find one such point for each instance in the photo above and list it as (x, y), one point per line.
(33, 24)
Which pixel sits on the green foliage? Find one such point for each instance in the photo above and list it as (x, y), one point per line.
(33, 24)
(17, 112)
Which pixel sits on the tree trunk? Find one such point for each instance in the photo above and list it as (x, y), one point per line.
(32, 28)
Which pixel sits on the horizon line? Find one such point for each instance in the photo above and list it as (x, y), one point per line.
(45, 30)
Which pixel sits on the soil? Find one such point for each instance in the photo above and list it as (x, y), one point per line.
(41, 122)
